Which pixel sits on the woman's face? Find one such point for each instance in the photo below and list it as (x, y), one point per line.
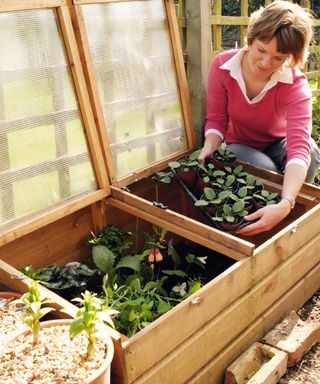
(264, 59)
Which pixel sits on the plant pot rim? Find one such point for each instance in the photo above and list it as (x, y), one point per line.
(10, 295)
(99, 373)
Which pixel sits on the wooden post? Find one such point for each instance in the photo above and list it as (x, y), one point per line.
(198, 58)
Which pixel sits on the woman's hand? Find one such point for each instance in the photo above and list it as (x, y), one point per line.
(205, 153)
(267, 217)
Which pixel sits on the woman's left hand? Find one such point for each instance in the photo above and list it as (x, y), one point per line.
(267, 217)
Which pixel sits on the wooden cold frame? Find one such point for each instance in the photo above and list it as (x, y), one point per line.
(65, 25)
(196, 340)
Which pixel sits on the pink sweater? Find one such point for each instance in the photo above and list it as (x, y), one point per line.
(284, 111)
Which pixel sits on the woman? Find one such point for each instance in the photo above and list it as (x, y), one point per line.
(259, 103)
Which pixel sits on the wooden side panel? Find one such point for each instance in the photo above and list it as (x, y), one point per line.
(219, 296)
(17, 5)
(213, 372)
(228, 325)
(182, 225)
(58, 242)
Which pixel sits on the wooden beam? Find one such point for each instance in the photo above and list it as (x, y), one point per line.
(210, 237)
(14, 231)
(213, 372)
(198, 60)
(19, 5)
(92, 86)
(83, 97)
(180, 71)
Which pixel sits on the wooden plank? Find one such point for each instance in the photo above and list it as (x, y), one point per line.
(18, 5)
(198, 40)
(212, 338)
(213, 372)
(229, 20)
(92, 86)
(38, 221)
(181, 75)
(237, 280)
(83, 97)
(186, 227)
(102, 1)
(57, 243)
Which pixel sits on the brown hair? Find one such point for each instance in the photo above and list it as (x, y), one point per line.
(290, 24)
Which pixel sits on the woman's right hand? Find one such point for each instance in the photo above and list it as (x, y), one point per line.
(205, 152)
(211, 143)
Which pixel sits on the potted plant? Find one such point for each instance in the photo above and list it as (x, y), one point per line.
(224, 183)
(68, 351)
(253, 185)
(264, 198)
(10, 314)
(243, 194)
(211, 200)
(186, 168)
(230, 217)
(222, 157)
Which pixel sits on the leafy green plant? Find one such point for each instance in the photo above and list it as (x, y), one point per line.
(231, 214)
(223, 155)
(265, 197)
(34, 301)
(210, 198)
(186, 163)
(92, 317)
(138, 304)
(71, 276)
(161, 177)
(113, 238)
(225, 183)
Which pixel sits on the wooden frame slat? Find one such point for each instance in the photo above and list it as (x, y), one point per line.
(181, 75)
(18, 5)
(184, 226)
(83, 97)
(213, 372)
(38, 221)
(92, 86)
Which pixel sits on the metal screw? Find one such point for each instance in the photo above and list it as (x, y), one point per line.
(294, 228)
(196, 300)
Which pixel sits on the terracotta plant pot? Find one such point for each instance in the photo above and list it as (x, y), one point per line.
(101, 375)
(10, 295)
(10, 317)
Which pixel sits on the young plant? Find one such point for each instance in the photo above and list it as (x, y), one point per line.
(92, 318)
(265, 197)
(161, 177)
(210, 199)
(223, 155)
(33, 301)
(186, 163)
(231, 214)
(225, 183)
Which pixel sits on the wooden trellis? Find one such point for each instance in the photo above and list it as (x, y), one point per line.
(201, 31)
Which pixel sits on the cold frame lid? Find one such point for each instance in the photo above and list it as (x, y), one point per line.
(135, 73)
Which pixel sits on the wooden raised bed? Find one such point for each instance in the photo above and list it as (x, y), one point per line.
(272, 273)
